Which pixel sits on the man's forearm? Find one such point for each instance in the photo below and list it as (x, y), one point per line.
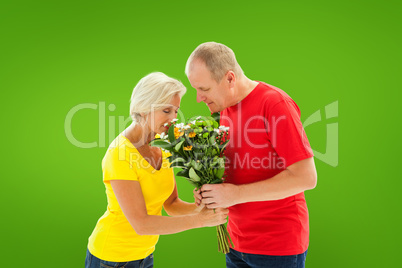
(295, 179)
(282, 185)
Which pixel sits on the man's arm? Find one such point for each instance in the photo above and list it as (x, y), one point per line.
(295, 179)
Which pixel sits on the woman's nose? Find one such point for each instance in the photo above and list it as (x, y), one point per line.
(172, 116)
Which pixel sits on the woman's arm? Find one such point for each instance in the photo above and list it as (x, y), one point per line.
(132, 203)
(174, 206)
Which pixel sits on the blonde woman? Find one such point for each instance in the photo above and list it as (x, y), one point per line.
(139, 183)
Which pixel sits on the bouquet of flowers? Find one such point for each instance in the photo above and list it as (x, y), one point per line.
(197, 148)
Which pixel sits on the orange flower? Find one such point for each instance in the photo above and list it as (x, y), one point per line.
(178, 133)
(192, 134)
(188, 148)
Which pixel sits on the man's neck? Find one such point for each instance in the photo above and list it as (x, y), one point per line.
(244, 87)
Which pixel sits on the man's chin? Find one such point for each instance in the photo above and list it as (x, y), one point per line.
(214, 110)
(211, 108)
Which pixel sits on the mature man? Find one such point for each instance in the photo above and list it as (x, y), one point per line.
(269, 162)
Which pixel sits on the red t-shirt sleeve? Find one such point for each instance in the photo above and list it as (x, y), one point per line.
(286, 133)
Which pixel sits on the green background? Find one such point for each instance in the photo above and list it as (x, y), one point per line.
(56, 55)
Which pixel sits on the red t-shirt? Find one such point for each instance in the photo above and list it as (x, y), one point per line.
(266, 136)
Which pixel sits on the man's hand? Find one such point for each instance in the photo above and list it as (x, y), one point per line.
(219, 195)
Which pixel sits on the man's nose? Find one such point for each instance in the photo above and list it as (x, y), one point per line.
(200, 97)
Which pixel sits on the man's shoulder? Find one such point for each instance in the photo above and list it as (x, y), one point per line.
(272, 95)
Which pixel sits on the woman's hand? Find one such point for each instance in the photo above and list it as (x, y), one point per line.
(197, 197)
(213, 217)
(197, 200)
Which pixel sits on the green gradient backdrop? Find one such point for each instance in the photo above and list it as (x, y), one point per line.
(56, 55)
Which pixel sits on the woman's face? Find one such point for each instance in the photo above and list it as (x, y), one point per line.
(159, 118)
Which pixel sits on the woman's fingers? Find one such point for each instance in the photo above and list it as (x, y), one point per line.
(197, 196)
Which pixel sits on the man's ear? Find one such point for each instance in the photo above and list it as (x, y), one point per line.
(231, 78)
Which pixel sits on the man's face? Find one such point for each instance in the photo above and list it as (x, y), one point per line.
(214, 94)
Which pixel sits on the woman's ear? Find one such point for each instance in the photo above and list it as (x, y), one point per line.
(143, 118)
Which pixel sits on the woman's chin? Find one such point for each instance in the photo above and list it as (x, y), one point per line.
(159, 131)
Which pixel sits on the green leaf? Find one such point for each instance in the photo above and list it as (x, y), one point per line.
(196, 165)
(183, 173)
(222, 147)
(197, 185)
(206, 134)
(178, 159)
(219, 173)
(221, 162)
(183, 153)
(178, 162)
(193, 175)
(177, 147)
(171, 133)
(215, 162)
(177, 165)
(216, 117)
(212, 140)
(161, 144)
(216, 181)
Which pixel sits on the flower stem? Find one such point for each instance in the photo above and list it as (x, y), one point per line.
(228, 236)
(223, 245)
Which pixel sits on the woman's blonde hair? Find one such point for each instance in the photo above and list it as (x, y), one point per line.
(153, 92)
(218, 58)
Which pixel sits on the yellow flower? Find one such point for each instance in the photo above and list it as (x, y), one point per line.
(178, 133)
(188, 148)
(157, 136)
(192, 135)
